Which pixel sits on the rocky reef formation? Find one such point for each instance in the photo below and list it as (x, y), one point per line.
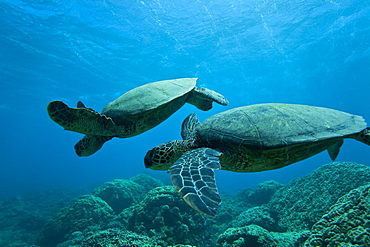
(22, 218)
(329, 207)
(161, 218)
(347, 223)
(286, 219)
(163, 215)
(113, 237)
(256, 236)
(122, 193)
(263, 193)
(303, 201)
(240, 203)
(260, 216)
(86, 211)
(96, 210)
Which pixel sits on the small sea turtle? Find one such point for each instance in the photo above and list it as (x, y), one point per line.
(133, 113)
(249, 139)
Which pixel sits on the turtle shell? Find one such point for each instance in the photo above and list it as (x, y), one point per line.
(145, 107)
(270, 126)
(148, 97)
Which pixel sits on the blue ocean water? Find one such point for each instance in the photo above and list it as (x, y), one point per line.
(313, 52)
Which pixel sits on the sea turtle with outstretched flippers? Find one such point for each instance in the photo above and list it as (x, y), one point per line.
(249, 139)
(133, 113)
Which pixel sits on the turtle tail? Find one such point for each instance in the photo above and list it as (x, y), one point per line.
(364, 136)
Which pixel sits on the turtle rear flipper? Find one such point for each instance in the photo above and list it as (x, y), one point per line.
(364, 136)
(203, 98)
(89, 145)
(334, 149)
(81, 120)
(193, 177)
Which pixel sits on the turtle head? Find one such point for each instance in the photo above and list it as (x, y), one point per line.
(163, 156)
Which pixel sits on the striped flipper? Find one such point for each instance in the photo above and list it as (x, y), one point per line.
(193, 177)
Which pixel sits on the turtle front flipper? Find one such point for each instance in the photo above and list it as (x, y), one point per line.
(81, 120)
(89, 145)
(189, 127)
(193, 177)
(203, 98)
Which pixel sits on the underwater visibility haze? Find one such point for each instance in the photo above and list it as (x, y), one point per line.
(314, 52)
(306, 52)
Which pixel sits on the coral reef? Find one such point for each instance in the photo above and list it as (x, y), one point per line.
(347, 223)
(231, 207)
(21, 218)
(164, 215)
(86, 211)
(142, 212)
(111, 237)
(122, 193)
(264, 192)
(304, 200)
(242, 197)
(260, 216)
(17, 221)
(256, 236)
(234, 205)
(147, 181)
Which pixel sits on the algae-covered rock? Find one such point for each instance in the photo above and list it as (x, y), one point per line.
(234, 205)
(182, 245)
(164, 215)
(18, 222)
(264, 191)
(304, 200)
(122, 193)
(147, 181)
(110, 238)
(231, 207)
(256, 236)
(256, 216)
(347, 223)
(243, 197)
(22, 218)
(16, 212)
(86, 211)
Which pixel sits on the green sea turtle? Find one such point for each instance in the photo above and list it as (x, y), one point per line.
(249, 139)
(133, 113)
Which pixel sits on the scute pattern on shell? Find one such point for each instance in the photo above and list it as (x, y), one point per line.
(277, 125)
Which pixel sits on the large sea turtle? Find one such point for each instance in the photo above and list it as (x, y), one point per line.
(133, 113)
(249, 139)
